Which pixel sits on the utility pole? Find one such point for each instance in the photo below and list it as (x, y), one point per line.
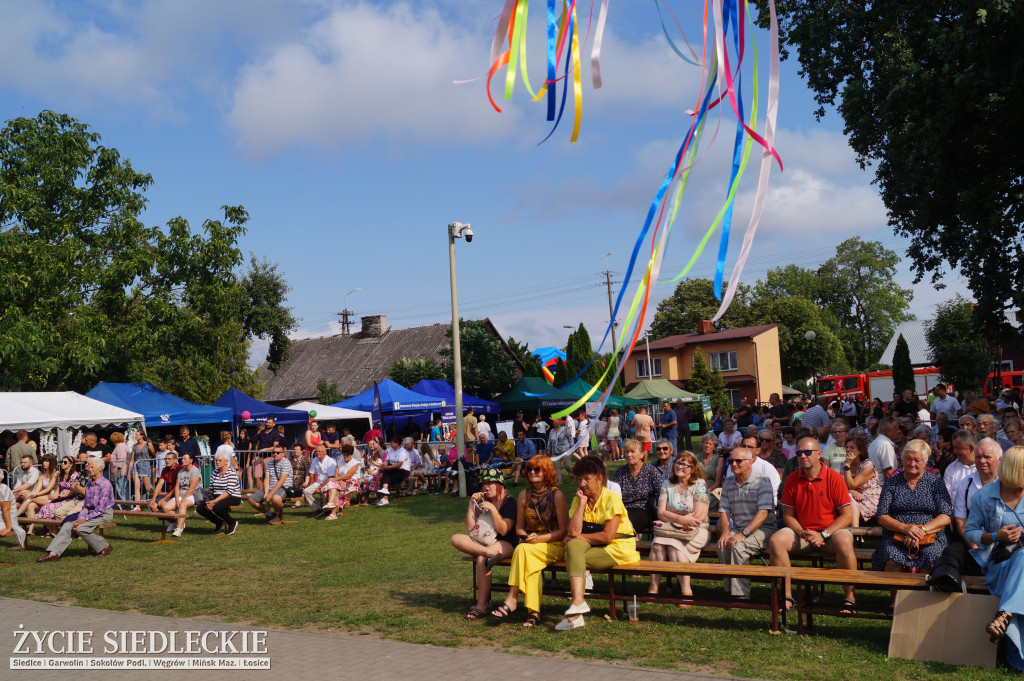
(346, 327)
(611, 308)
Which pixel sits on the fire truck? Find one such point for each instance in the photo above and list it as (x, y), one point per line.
(880, 384)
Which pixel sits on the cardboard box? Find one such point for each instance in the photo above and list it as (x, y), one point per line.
(943, 627)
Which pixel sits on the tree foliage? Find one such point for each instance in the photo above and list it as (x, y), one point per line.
(694, 300)
(929, 94)
(264, 314)
(707, 381)
(902, 369)
(487, 370)
(795, 317)
(958, 346)
(531, 365)
(578, 354)
(408, 372)
(89, 293)
(857, 288)
(327, 392)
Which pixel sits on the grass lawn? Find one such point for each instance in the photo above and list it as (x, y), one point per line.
(391, 572)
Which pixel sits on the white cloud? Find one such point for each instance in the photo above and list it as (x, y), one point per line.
(362, 73)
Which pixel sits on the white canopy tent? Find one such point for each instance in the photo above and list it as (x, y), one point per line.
(327, 413)
(60, 410)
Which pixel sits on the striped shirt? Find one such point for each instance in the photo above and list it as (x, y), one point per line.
(225, 483)
(279, 469)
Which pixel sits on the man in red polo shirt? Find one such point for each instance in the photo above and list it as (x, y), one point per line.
(816, 511)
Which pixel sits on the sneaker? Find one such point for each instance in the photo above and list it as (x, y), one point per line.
(177, 532)
(567, 624)
(269, 515)
(219, 528)
(233, 528)
(383, 502)
(384, 492)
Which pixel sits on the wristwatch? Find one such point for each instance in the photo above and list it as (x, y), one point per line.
(825, 535)
(745, 532)
(845, 468)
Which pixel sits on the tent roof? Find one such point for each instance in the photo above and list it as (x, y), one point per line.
(579, 388)
(661, 389)
(393, 397)
(69, 409)
(238, 402)
(328, 413)
(447, 391)
(160, 408)
(517, 397)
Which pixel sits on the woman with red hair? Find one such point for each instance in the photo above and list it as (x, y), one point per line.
(541, 524)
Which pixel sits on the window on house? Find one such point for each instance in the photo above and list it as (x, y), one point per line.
(641, 367)
(734, 396)
(723, 361)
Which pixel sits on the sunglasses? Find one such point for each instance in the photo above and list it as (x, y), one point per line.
(737, 462)
(766, 439)
(534, 469)
(662, 449)
(805, 452)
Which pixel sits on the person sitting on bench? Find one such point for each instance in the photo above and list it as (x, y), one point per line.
(97, 509)
(746, 517)
(276, 480)
(816, 510)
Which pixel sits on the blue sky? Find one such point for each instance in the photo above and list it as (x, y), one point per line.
(337, 125)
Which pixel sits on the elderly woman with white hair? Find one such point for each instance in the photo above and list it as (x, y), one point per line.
(225, 492)
(913, 511)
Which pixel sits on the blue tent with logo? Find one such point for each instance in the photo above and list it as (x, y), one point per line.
(238, 402)
(160, 408)
(445, 390)
(396, 405)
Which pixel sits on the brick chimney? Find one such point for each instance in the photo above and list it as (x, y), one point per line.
(704, 327)
(374, 326)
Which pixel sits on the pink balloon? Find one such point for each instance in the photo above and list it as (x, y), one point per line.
(246, 415)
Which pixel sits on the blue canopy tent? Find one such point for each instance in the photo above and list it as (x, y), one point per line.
(445, 390)
(159, 408)
(238, 402)
(396, 401)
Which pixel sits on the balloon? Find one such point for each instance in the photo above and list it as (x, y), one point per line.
(312, 414)
(246, 415)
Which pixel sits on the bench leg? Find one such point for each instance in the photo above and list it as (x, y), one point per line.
(611, 596)
(775, 605)
(163, 534)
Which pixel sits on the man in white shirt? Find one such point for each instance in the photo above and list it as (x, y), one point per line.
(483, 427)
(964, 443)
(25, 482)
(816, 417)
(882, 451)
(395, 470)
(322, 469)
(944, 403)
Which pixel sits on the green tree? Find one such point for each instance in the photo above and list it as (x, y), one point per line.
(958, 346)
(789, 281)
(694, 300)
(707, 381)
(902, 369)
(578, 354)
(929, 94)
(795, 317)
(857, 288)
(531, 365)
(408, 372)
(264, 314)
(561, 374)
(327, 392)
(487, 370)
(89, 293)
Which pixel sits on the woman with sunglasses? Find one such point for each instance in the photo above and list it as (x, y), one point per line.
(541, 524)
(45, 485)
(664, 455)
(682, 507)
(62, 493)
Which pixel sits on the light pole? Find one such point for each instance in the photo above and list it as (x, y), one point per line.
(810, 336)
(457, 230)
(346, 329)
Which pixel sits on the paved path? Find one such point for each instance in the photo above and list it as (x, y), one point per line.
(290, 653)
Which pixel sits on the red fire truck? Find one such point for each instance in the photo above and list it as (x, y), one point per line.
(880, 384)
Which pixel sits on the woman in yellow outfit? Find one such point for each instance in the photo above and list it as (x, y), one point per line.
(600, 534)
(541, 524)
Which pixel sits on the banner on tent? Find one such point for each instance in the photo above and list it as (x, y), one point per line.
(448, 415)
(398, 406)
(377, 416)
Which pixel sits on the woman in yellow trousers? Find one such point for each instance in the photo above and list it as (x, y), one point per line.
(541, 524)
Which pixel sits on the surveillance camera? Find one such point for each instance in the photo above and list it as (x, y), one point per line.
(468, 234)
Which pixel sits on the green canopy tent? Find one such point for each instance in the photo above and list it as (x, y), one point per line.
(534, 393)
(579, 388)
(660, 390)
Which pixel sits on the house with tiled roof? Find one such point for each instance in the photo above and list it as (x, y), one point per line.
(747, 358)
(353, 362)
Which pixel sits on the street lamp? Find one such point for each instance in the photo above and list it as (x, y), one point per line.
(457, 230)
(810, 336)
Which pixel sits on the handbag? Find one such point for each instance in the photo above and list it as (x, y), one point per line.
(675, 531)
(1003, 550)
(483, 532)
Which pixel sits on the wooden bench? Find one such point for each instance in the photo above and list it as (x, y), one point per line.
(54, 523)
(808, 583)
(759, 573)
(160, 515)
